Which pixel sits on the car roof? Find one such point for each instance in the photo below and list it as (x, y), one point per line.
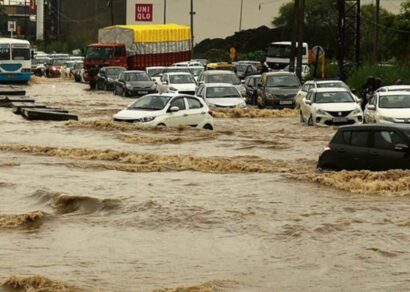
(134, 71)
(254, 76)
(279, 73)
(172, 94)
(218, 85)
(389, 93)
(156, 67)
(329, 89)
(394, 87)
(178, 73)
(376, 127)
(214, 72)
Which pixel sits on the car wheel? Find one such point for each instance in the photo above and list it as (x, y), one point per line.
(161, 125)
(310, 121)
(208, 127)
(260, 105)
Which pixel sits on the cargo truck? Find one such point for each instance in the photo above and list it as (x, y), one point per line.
(136, 47)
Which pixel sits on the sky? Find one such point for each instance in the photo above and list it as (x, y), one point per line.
(220, 18)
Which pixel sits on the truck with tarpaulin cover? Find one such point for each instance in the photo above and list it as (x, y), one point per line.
(136, 47)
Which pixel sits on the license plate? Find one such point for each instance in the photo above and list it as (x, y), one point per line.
(142, 92)
(11, 76)
(339, 120)
(285, 102)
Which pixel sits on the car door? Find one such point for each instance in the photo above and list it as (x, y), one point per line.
(119, 84)
(389, 151)
(179, 118)
(302, 93)
(196, 111)
(305, 106)
(201, 92)
(355, 154)
(370, 110)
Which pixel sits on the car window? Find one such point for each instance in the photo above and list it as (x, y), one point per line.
(346, 135)
(387, 140)
(179, 102)
(193, 103)
(372, 101)
(306, 87)
(359, 138)
(309, 96)
(200, 91)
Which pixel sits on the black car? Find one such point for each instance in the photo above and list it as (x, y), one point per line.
(251, 86)
(134, 83)
(278, 90)
(244, 69)
(373, 147)
(107, 76)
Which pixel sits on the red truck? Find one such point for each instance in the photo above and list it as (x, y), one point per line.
(136, 47)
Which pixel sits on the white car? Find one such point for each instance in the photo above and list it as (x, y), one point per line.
(312, 84)
(177, 82)
(155, 72)
(330, 106)
(188, 64)
(221, 76)
(221, 95)
(168, 109)
(388, 107)
(394, 88)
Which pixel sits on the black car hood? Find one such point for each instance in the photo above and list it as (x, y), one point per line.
(140, 84)
(282, 90)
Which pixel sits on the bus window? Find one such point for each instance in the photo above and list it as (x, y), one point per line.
(21, 54)
(4, 52)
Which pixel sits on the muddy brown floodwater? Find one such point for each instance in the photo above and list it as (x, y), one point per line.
(95, 205)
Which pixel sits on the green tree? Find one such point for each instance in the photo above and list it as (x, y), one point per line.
(402, 31)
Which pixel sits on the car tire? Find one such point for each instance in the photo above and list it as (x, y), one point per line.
(310, 122)
(260, 105)
(161, 125)
(208, 127)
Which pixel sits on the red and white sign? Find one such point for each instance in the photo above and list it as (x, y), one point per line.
(32, 7)
(11, 26)
(143, 12)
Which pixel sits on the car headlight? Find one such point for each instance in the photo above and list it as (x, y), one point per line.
(357, 111)
(242, 104)
(109, 79)
(242, 90)
(321, 112)
(173, 88)
(129, 86)
(147, 119)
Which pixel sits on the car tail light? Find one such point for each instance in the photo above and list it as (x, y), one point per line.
(211, 113)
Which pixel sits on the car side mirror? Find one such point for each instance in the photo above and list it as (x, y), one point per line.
(243, 81)
(308, 102)
(201, 82)
(165, 82)
(174, 109)
(371, 107)
(401, 147)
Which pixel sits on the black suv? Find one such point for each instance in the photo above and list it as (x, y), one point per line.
(373, 147)
(134, 83)
(107, 76)
(278, 90)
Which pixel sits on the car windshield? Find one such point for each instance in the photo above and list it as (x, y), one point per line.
(221, 92)
(224, 78)
(331, 84)
(282, 81)
(177, 69)
(141, 76)
(333, 97)
(99, 53)
(394, 101)
(113, 71)
(150, 103)
(196, 71)
(155, 72)
(59, 62)
(241, 67)
(178, 79)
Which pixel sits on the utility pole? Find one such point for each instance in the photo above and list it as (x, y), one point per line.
(112, 12)
(293, 37)
(165, 11)
(376, 30)
(40, 20)
(240, 16)
(192, 13)
(301, 24)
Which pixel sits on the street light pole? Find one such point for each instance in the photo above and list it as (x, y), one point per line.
(240, 16)
(192, 13)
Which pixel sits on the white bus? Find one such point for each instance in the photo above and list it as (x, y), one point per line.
(278, 55)
(15, 60)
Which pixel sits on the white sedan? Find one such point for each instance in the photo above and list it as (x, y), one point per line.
(388, 107)
(222, 95)
(330, 106)
(177, 82)
(170, 110)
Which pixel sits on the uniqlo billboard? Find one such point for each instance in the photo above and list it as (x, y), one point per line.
(143, 12)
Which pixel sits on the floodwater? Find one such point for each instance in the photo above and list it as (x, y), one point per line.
(101, 206)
